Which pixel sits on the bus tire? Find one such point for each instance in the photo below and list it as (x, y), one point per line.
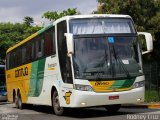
(19, 104)
(112, 109)
(56, 104)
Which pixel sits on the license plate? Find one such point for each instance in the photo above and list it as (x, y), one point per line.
(113, 97)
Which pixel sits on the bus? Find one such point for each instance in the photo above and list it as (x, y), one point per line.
(3, 92)
(79, 61)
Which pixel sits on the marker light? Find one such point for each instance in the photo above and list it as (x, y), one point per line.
(83, 103)
(139, 99)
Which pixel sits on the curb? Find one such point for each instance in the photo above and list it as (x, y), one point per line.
(150, 106)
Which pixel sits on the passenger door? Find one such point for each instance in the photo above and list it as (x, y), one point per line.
(64, 62)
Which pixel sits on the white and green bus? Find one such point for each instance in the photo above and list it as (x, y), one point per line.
(79, 61)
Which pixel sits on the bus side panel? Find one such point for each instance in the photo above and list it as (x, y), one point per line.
(18, 79)
(44, 81)
(37, 77)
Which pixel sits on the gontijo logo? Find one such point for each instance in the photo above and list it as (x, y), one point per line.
(21, 72)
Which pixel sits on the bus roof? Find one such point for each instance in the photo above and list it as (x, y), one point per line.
(91, 16)
(66, 18)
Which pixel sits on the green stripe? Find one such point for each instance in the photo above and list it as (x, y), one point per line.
(37, 77)
(40, 76)
(44, 29)
(120, 84)
(33, 79)
(128, 83)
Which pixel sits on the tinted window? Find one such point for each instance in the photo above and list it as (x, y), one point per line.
(37, 48)
(64, 60)
(49, 37)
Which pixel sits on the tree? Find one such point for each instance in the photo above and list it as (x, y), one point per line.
(11, 34)
(28, 20)
(54, 15)
(145, 13)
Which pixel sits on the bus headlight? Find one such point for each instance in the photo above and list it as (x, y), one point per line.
(139, 84)
(83, 87)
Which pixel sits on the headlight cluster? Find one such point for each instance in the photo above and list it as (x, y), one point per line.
(139, 84)
(83, 87)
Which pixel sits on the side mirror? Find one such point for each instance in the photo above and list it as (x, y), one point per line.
(70, 43)
(148, 40)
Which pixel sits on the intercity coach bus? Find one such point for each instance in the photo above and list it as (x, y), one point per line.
(79, 61)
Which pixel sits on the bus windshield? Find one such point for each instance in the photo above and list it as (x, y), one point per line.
(106, 58)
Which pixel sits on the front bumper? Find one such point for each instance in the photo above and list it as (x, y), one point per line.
(88, 99)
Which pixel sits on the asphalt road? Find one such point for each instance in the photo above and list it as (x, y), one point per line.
(9, 112)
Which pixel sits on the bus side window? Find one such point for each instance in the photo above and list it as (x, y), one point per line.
(39, 47)
(8, 61)
(29, 53)
(18, 55)
(33, 51)
(13, 59)
(50, 42)
(24, 50)
(54, 44)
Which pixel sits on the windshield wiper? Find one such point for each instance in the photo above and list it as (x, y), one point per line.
(105, 59)
(121, 63)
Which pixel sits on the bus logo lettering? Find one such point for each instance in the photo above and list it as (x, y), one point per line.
(21, 72)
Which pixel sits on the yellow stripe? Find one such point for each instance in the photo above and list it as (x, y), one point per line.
(22, 42)
(51, 68)
(103, 86)
(114, 90)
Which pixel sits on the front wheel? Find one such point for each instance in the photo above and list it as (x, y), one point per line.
(56, 104)
(113, 108)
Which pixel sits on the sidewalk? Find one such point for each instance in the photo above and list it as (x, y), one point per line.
(143, 105)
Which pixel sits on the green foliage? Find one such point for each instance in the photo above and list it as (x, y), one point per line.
(145, 13)
(142, 11)
(11, 34)
(54, 15)
(152, 96)
(28, 20)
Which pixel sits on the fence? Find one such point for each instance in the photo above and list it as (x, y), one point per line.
(152, 83)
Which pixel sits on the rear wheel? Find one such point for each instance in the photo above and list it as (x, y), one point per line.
(18, 101)
(56, 104)
(14, 97)
(113, 108)
(15, 100)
